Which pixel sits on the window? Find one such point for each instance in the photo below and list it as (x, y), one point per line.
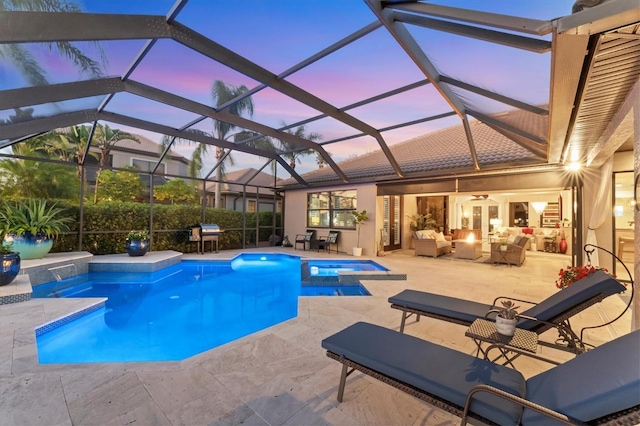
(251, 207)
(331, 209)
(147, 166)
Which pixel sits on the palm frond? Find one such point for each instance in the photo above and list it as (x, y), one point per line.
(25, 63)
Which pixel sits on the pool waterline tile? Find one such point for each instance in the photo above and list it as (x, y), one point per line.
(59, 322)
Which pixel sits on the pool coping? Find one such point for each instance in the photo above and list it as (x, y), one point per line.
(71, 316)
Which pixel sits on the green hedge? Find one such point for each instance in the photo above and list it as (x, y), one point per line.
(106, 225)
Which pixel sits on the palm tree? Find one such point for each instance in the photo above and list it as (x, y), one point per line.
(320, 161)
(105, 139)
(23, 60)
(221, 93)
(293, 152)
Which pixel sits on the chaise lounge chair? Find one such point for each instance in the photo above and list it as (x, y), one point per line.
(553, 312)
(597, 387)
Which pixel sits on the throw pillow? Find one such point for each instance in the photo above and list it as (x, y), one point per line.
(517, 239)
(440, 237)
(523, 241)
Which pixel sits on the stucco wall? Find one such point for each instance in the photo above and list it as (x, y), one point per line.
(295, 221)
(121, 159)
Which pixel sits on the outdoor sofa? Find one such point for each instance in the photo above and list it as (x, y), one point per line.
(552, 312)
(431, 243)
(597, 387)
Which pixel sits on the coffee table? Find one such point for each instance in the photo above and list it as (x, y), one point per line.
(468, 249)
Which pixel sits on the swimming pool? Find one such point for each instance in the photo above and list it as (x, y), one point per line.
(173, 313)
(179, 311)
(333, 267)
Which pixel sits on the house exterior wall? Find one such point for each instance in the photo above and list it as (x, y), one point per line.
(172, 167)
(235, 202)
(296, 218)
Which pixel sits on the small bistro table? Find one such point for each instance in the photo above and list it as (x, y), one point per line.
(523, 342)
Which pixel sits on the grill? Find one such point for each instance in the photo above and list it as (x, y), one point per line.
(203, 233)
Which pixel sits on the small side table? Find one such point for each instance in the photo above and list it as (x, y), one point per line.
(503, 257)
(523, 342)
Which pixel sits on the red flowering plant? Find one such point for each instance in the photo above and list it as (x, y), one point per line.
(568, 276)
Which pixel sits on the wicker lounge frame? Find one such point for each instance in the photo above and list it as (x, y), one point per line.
(613, 383)
(583, 294)
(629, 416)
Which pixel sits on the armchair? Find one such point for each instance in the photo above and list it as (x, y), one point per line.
(514, 255)
(307, 237)
(324, 243)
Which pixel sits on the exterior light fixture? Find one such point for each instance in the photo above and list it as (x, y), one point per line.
(573, 166)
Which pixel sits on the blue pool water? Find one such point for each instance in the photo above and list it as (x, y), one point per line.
(181, 310)
(329, 267)
(174, 313)
(338, 290)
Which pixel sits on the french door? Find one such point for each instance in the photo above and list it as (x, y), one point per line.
(391, 222)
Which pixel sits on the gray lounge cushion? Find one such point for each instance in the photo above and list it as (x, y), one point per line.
(465, 310)
(563, 300)
(438, 370)
(597, 383)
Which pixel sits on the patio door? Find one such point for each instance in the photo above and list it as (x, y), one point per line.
(391, 222)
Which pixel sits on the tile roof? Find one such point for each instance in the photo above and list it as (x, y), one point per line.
(440, 153)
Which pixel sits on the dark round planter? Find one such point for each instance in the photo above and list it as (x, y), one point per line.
(137, 247)
(9, 267)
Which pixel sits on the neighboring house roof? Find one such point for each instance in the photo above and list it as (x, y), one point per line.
(146, 147)
(236, 179)
(443, 152)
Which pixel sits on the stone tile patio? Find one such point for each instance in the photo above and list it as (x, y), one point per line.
(280, 375)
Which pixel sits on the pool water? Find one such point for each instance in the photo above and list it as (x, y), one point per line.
(330, 267)
(336, 290)
(179, 311)
(174, 313)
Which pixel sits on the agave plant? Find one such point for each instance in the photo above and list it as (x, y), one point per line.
(34, 217)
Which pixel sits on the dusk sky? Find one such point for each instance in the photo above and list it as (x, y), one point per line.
(276, 35)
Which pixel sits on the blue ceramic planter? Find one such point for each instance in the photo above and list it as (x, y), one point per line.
(137, 247)
(9, 267)
(30, 246)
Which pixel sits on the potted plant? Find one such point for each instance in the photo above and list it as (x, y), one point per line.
(359, 218)
(506, 318)
(422, 221)
(31, 227)
(571, 274)
(9, 263)
(137, 243)
(503, 245)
